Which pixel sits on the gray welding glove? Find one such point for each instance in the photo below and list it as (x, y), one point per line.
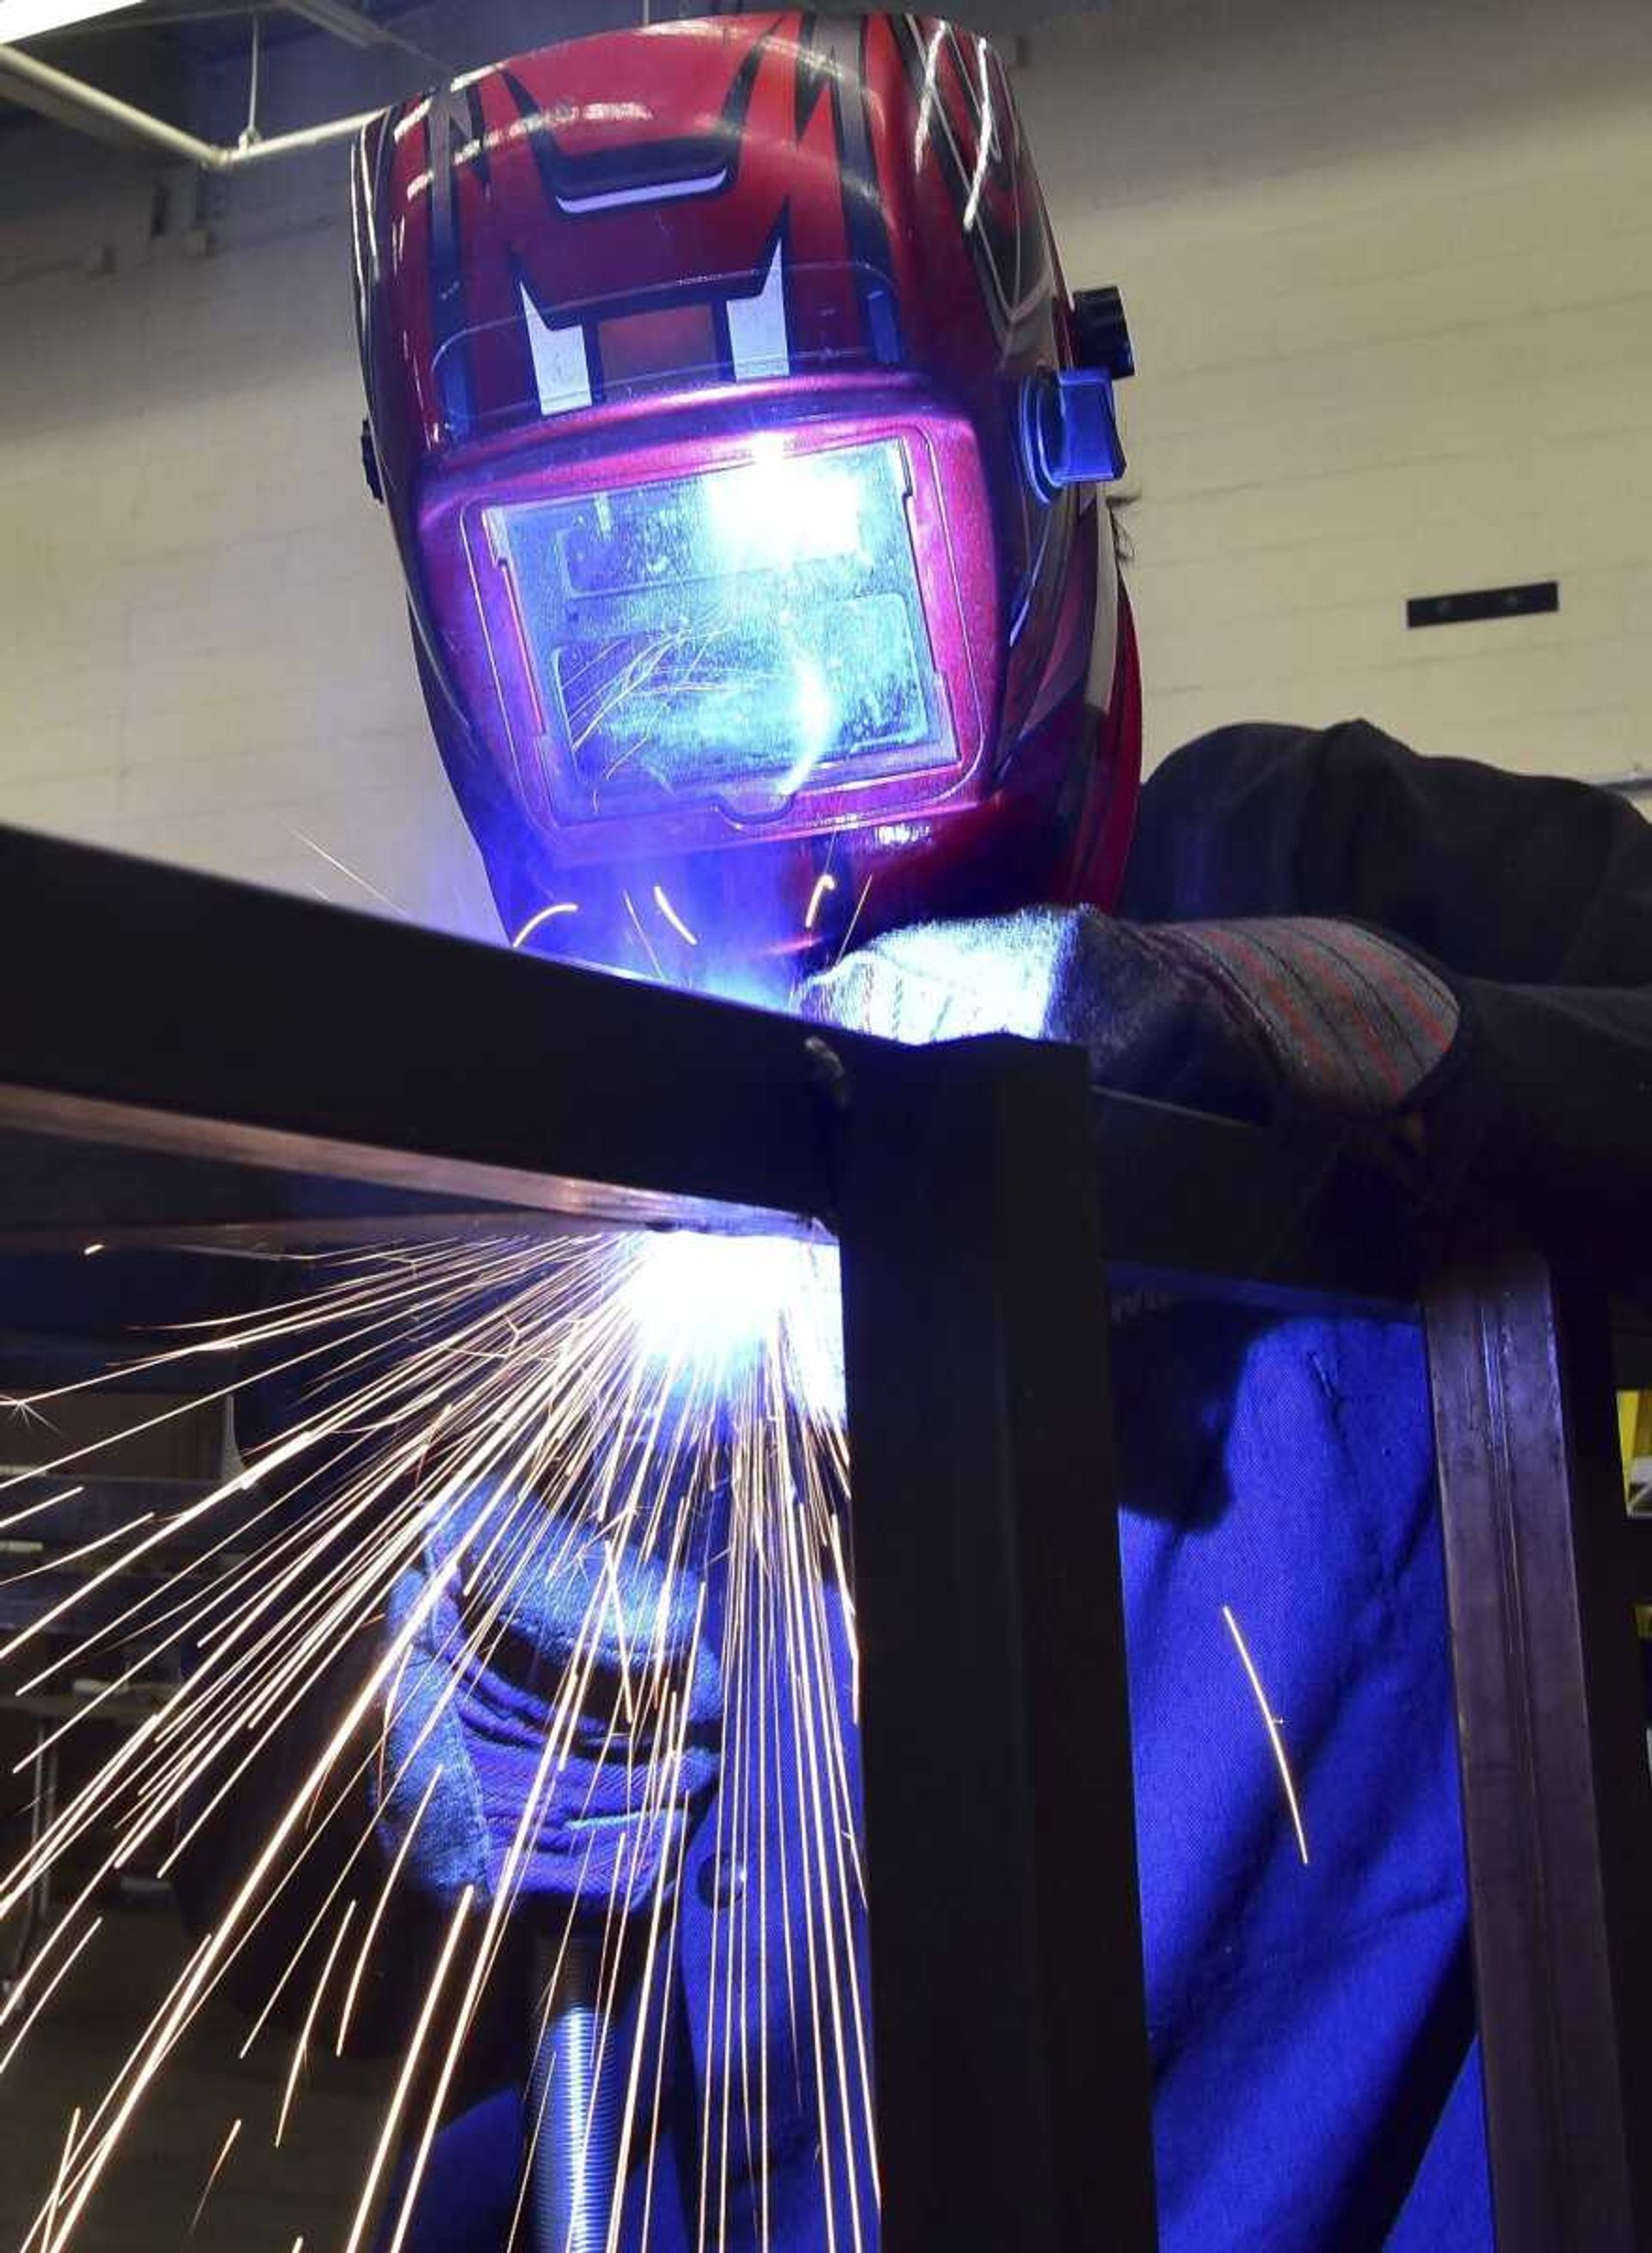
(1255, 1020)
(467, 1716)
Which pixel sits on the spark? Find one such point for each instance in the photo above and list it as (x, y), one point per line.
(635, 2077)
(478, 1415)
(848, 936)
(61, 1559)
(1270, 1721)
(544, 914)
(90, 1250)
(21, 1517)
(46, 1993)
(416, 2050)
(823, 885)
(647, 943)
(379, 1909)
(353, 876)
(301, 2048)
(57, 2181)
(532, 1807)
(672, 916)
(227, 2146)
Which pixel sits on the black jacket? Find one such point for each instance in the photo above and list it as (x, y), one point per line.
(1533, 896)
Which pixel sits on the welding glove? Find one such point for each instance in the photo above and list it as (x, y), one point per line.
(1255, 1020)
(555, 1630)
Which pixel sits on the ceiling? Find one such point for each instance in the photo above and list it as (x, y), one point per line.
(189, 62)
(175, 57)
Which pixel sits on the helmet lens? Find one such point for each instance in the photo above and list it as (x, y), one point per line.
(734, 637)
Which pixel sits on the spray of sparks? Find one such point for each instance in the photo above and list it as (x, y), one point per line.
(480, 1416)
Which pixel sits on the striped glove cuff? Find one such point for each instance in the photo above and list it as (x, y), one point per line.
(1352, 1022)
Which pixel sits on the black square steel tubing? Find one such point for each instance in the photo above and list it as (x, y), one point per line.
(170, 1016)
(174, 1017)
(1541, 1576)
(1009, 2032)
(177, 1051)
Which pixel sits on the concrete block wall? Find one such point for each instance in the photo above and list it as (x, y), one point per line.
(203, 651)
(1390, 276)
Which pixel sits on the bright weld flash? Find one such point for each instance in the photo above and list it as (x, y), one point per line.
(739, 630)
(780, 509)
(717, 1304)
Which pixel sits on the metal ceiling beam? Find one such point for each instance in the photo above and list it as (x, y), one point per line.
(358, 29)
(38, 86)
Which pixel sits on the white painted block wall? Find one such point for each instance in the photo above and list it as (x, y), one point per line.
(1389, 271)
(203, 651)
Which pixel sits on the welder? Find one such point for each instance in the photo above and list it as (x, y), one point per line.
(749, 461)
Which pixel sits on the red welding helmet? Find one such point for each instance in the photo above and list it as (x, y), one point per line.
(743, 448)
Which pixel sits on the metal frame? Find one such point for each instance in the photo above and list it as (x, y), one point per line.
(1010, 2016)
(196, 1059)
(1542, 1571)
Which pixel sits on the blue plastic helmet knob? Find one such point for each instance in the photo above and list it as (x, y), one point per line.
(1069, 429)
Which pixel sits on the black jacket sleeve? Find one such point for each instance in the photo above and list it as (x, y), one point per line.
(1534, 897)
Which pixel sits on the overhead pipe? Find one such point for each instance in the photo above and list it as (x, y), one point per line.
(73, 93)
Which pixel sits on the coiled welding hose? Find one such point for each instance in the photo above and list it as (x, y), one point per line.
(576, 2098)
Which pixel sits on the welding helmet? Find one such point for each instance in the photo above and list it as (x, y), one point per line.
(742, 446)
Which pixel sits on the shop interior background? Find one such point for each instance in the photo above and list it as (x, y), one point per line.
(1390, 275)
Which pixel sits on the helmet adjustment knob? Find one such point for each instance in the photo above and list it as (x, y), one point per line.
(1069, 434)
(1101, 333)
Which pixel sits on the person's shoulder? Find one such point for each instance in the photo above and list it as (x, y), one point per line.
(1232, 823)
(1247, 751)
(1227, 763)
